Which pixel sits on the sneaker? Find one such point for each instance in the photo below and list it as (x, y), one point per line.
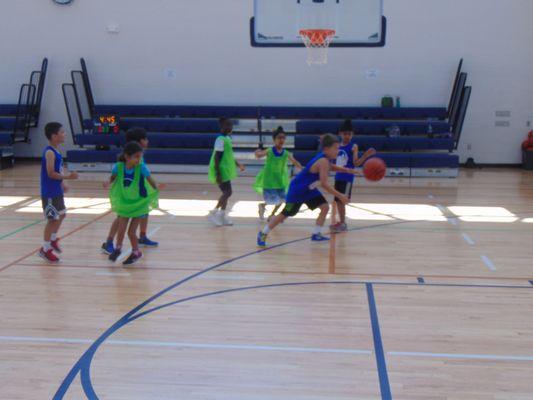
(215, 218)
(133, 258)
(108, 248)
(340, 227)
(114, 255)
(144, 241)
(261, 239)
(226, 221)
(48, 256)
(55, 246)
(262, 210)
(319, 238)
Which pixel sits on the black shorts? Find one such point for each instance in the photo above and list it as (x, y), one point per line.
(225, 187)
(345, 188)
(291, 209)
(53, 207)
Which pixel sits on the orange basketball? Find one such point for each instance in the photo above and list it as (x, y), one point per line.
(375, 169)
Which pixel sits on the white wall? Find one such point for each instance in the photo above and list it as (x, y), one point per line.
(207, 43)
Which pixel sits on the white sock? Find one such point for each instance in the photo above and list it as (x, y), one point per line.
(46, 246)
(221, 212)
(266, 230)
(317, 230)
(54, 236)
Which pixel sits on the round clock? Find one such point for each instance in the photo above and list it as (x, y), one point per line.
(63, 2)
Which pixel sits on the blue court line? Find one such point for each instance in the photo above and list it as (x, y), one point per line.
(384, 384)
(420, 280)
(82, 366)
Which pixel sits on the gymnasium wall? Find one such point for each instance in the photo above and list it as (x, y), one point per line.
(207, 44)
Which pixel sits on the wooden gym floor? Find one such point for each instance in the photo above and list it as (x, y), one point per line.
(429, 296)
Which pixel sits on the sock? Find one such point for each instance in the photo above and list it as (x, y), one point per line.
(54, 237)
(118, 248)
(266, 230)
(47, 246)
(317, 230)
(221, 212)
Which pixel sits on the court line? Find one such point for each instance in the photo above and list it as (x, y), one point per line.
(151, 343)
(79, 228)
(460, 356)
(21, 229)
(285, 272)
(113, 274)
(488, 262)
(82, 366)
(378, 346)
(468, 239)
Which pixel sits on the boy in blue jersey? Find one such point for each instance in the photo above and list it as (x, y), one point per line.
(303, 190)
(140, 136)
(52, 190)
(349, 158)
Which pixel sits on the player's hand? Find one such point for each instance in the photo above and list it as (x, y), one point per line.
(242, 168)
(106, 185)
(73, 175)
(65, 188)
(355, 172)
(371, 152)
(258, 153)
(344, 199)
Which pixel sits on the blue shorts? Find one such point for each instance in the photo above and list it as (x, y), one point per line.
(274, 196)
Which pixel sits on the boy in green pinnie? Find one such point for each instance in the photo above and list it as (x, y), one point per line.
(222, 170)
(273, 180)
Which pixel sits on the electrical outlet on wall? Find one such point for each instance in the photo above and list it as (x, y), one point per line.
(170, 73)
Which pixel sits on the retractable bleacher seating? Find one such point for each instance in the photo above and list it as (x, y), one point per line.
(16, 120)
(182, 137)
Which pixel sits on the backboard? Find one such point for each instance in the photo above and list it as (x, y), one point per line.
(357, 23)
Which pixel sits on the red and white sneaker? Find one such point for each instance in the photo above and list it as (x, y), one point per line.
(48, 256)
(55, 246)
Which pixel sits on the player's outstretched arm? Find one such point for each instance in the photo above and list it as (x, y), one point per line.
(323, 170)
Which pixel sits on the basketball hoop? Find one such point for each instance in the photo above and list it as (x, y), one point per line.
(317, 42)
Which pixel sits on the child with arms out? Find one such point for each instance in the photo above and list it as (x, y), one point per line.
(349, 158)
(273, 180)
(131, 198)
(303, 190)
(140, 136)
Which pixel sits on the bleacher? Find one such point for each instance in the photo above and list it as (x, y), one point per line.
(413, 141)
(16, 120)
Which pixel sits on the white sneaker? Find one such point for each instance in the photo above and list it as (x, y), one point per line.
(226, 221)
(215, 218)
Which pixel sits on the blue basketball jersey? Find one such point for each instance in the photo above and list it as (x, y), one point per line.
(345, 159)
(301, 188)
(51, 188)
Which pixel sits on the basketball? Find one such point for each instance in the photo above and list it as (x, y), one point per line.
(375, 169)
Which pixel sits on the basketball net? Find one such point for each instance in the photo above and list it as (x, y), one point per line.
(317, 42)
